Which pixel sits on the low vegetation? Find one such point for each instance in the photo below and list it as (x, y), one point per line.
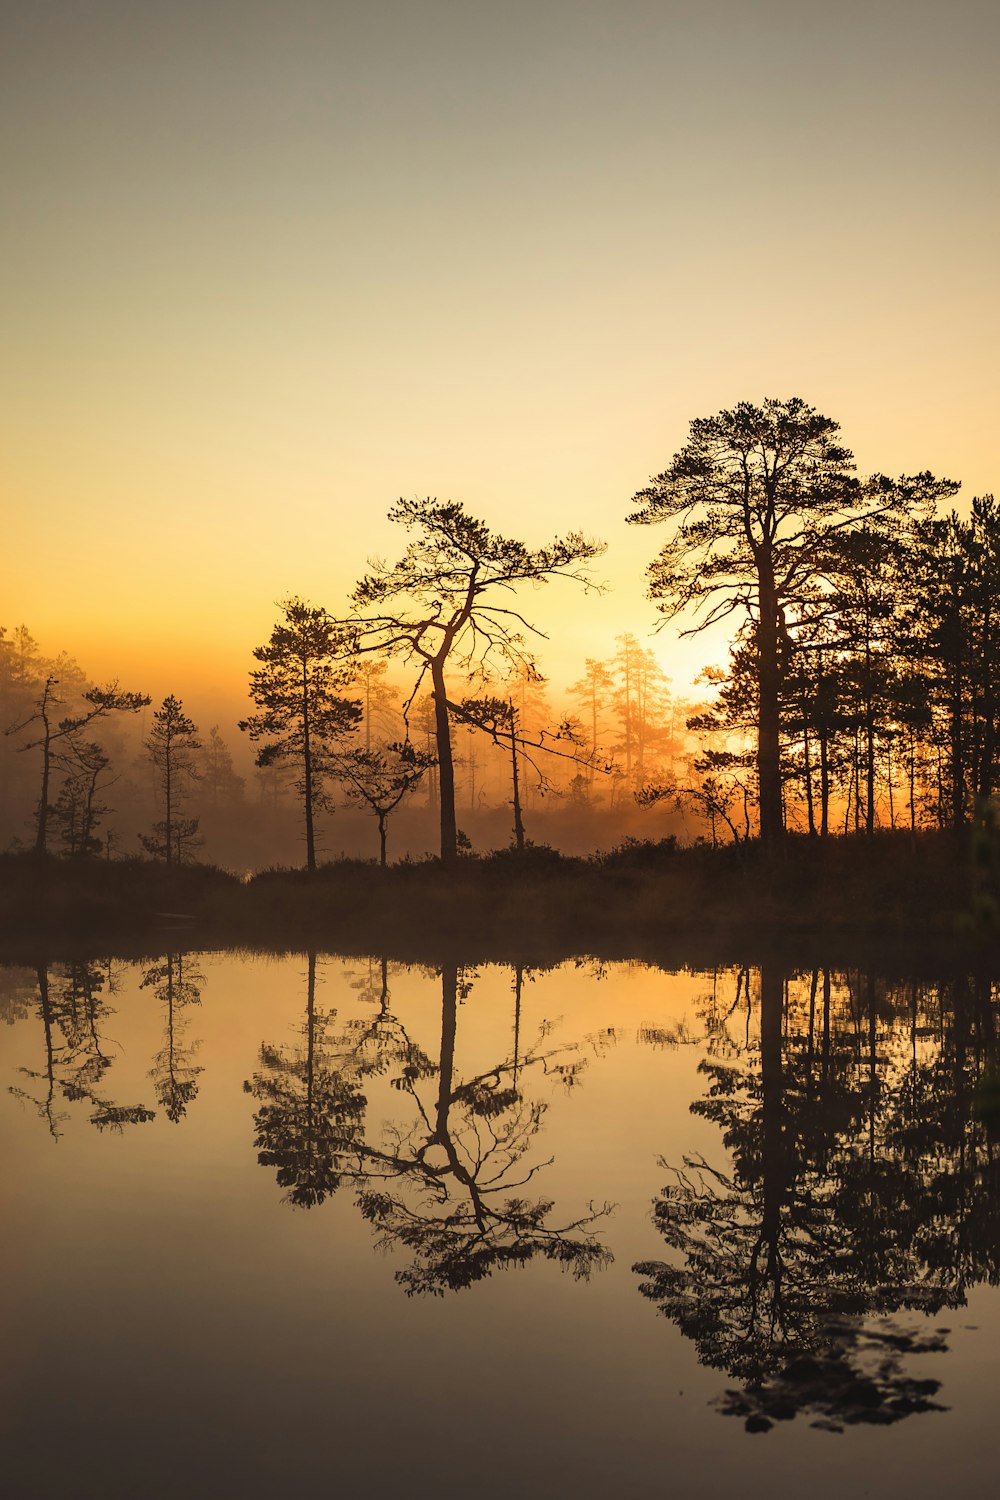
(935, 890)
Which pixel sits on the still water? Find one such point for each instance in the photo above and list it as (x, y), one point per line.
(314, 1225)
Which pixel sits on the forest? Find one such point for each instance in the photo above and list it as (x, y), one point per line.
(859, 695)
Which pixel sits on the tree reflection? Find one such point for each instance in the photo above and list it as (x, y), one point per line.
(72, 1008)
(448, 1185)
(450, 1189)
(174, 1072)
(860, 1187)
(310, 1113)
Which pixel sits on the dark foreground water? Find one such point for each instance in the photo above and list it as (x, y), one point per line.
(325, 1227)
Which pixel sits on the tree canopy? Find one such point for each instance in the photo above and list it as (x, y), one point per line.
(449, 602)
(758, 498)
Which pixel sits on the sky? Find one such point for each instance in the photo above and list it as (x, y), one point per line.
(268, 267)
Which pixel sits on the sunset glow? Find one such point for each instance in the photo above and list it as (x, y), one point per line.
(267, 270)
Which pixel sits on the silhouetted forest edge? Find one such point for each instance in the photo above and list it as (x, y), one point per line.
(893, 891)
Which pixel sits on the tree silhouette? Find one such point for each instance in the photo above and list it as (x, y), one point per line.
(593, 689)
(380, 779)
(446, 604)
(500, 719)
(379, 701)
(222, 786)
(302, 712)
(757, 498)
(52, 732)
(171, 746)
(77, 810)
(953, 638)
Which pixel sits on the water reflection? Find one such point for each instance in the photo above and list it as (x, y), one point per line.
(860, 1185)
(72, 1006)
(311, 1111)
(177, 985)
(445, 1183)
(842, 1204)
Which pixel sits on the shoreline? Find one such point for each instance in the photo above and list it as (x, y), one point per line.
(891, 897)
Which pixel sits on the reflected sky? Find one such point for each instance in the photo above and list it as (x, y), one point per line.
(313, 1221)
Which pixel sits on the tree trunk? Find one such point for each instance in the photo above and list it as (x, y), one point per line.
(43, 803)
(808, 778)
(768, 744)
(168, 825)
(381, 839)
(516, 785)
(446, 766)
(307, 782)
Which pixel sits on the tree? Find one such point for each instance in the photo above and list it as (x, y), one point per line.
(302, 713)
(77, 810)
(52, 732)
(593, 689)
(501, 720)
(21, 673)
(757, 497)
(952, 640)
(222, 786)
(378, 700)
(171, 746)
(380, 779)
(445, 604)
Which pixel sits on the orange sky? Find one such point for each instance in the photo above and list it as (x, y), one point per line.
(268, 268)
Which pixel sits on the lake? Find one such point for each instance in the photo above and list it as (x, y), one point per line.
(313, 1224)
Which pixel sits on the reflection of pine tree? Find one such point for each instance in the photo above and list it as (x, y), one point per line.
(310, 1116)
(72, 1009)
(174, 1073)
(848, 1199)
(449, 1189)
(447, 1186)
(931, 1125)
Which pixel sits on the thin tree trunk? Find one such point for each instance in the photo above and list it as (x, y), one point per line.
(516, 784)
(41, 832)
(807, 773)
(446, 766)
(168, 826)
(768, 742)
(307, 781)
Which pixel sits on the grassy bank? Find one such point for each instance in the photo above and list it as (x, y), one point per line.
(642, 900)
